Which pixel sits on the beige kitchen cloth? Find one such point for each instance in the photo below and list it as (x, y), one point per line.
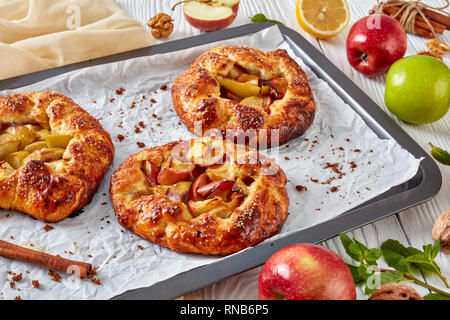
(42, 34)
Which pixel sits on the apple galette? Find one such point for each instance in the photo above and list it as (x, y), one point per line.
(53, 155)
(203, 195)
(242, 90)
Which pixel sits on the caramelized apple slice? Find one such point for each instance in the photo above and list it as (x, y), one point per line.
(266, 103)
(219, 188)
(242, 90)
(33, 127)
(213, 206)
(278, 87)
(16, 159)
(43, 134)
(235, 72)
(240, 187)
(6, 169)
(35, 146)
(169, 176)
(58, 141)
(24, 135)
(151, 172)
(222, 171)
(248, 78)
(180, 191)
(46, 154)
(255, 102)
(8, 144)
(200, 181)
(265, 91)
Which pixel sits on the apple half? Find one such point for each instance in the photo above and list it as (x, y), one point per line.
(210, 16)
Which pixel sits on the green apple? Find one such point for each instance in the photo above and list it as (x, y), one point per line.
(418, 89)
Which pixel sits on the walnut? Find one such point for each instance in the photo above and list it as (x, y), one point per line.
(441, 230)
(437, 46)
(161, 25)
(395, 291)
(431, 54)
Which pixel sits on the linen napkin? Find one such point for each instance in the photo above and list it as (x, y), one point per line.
(42, 34)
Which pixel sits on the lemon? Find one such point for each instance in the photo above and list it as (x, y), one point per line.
(323, 18)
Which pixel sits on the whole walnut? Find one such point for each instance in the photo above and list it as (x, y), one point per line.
(395, 291)
(161, 25)
(441, 230)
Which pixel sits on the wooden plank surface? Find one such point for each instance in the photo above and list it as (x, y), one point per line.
(411, 227)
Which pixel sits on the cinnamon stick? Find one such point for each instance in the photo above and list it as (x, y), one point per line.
(437, 17)
(12, 251)
(420, 21)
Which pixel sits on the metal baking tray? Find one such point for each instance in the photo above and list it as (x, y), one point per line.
(423, 186)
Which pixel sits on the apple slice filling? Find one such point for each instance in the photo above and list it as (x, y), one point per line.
(20, 143)
(203, 186)
(248, 89)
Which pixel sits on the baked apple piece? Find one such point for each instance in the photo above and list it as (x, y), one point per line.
(239, 89)
(179, 191)
(175, 171)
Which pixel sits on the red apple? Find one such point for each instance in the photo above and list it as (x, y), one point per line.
(215, 187)
(211, 16)
(375, 43)
(306, 272)
(200, 181)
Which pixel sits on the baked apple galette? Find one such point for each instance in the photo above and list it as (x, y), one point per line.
(205, 196)
(242, 90)
(53, 155)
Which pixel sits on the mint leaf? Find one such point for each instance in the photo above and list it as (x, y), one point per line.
(258, 18)
(350, 247)
(357, 279)
(435, 296)
(395, 253)
(372, 255)
(364, 271)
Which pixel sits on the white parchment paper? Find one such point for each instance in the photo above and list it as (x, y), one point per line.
(367, 166)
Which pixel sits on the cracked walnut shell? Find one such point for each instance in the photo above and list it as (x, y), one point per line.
(441, 230)
(161, 25)
(395, 291)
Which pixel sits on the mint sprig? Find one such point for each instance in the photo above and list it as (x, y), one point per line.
(260, 18)
(405, 261)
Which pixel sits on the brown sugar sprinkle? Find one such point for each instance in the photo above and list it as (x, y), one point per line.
(120, 91)
(315, 180)
(17, 298)
(112, 100)
(140, 144)
(164, 87)
(35, 284)
(334, 189)
(301, 188)
(133, 105)
(353, 165)
(12, 284)
(120, 137)
(141, 124)
(335, 168)
(152, 100)
(357, 150)
(55, 276)
(140, 247)
(287, 158)
(48, 227)
(367, 188)
(17, 278)
(348, 140)
(137, 129)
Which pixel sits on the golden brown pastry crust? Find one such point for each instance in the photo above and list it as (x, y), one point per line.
(196, 94)
(154, 216)
(52, 193)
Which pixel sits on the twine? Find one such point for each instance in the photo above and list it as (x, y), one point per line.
(410, 10)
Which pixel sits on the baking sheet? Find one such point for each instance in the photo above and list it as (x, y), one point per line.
(125, 261)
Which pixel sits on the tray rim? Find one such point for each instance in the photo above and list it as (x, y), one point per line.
(364, 214)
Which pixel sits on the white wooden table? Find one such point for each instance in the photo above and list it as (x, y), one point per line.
(412, 227)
